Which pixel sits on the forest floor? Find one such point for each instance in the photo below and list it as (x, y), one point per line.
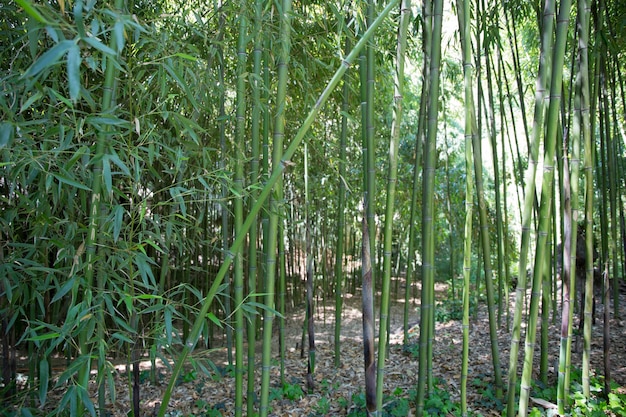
(339, 391)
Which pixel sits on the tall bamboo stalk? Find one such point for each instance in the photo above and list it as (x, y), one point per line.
(529, 197)
(580, 132)
(255, 128)
(369, 142)
(310, 320)
(270, 245)
(92, 270)
(464, 16)
(238, 191)
(589, 161)
(414, 192)
(428, 210)
(405, 11)
(546, 197)
(486, 247)
(339, 248)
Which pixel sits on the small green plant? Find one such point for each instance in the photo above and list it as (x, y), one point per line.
(275, 394)
(204, 409)
(411, 349)
(397, 404)
(452, 309)
(190, 376)
(288, 391)
(292, 391)
(326, 386)
(343, 402)
(322, 408)
(400, 407)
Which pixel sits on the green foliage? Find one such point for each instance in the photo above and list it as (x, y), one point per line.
(322, 407)
(292, 392)
(438, 403)
(483, 383)
(412, 349)
(399, 403)
(204, 409)
(596, 406)
(452, 309)
(289, 391)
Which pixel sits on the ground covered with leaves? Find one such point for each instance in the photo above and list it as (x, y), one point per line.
(340, 391)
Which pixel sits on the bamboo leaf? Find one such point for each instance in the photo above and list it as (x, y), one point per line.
(49, 58)
(108, 121)
(8, 289)
(167, 316)
(30, 101)
(118, 217)
(70, 182)
(182, 84)
(149, 297)
(86, 400)
(215, 320)
(111, 383)
(176, 193)
(154, 245)
(26, 412)
(73, 71)
(145, 271)
(6, 133)
(124, 325)
(78, 18)
(42, 337)
(186, 56)
(118, 31)
(117, 161)
(44, 379)
(264, 307)
(94, 42)
(122, 337)
(32, 11)
(106, 175)
(64, 289)
(72, 370)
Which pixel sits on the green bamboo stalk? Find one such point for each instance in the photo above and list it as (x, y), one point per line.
(500, 238)
(614, 195)
(501, 78)
(275, 202)
(464, 16)
(263, 195)
(580, 133)
(546, 196)
(238, 202)
(93, 236)
(486, 248)
(310, 320)
(282, 293)
(545, 304)
(254, 178)
(414, 192)
(341, 217)
(428, 210)
(589, 158)
(529, 197)
(370, 142)
(405, 12)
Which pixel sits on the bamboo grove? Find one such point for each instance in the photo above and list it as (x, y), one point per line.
(178, 176)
